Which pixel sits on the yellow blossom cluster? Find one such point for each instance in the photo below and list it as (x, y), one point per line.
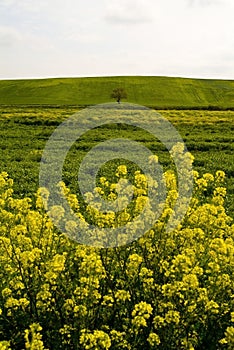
(166, 290)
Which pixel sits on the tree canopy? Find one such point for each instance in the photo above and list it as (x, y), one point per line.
(119, 94)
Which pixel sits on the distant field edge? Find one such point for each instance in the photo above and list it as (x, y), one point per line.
(153, 92)
(157, 108)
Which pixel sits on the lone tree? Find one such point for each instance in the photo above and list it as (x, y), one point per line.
(118, 94)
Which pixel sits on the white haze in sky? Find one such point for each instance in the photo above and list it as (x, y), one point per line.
(48, 38)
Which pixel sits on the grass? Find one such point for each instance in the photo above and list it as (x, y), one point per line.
(25, 130)
(156, 92)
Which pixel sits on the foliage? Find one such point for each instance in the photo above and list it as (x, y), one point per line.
(167, 290)
(118, 94)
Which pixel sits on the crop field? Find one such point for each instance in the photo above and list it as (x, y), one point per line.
(208, 135)
(163, 290)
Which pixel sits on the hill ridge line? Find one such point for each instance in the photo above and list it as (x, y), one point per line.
(151, 91)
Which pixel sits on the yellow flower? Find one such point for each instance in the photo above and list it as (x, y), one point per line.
(172, 317)
(220, 191)
(122, 295)
(97, 340)
(33, 338)
(80, 311)
(212, 307)
(229, 338)
(208, 177)
(153, 159)
(56, 213)
(5, 345)
(121, 170)
(191, 281)
(153, 339)
(219, 176)
(143, 310)
(6, 292)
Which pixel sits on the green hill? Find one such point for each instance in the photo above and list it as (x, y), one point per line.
(158, 92)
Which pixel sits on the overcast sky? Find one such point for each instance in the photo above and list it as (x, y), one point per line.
(58, 38)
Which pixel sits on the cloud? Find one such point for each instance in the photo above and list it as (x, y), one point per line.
(205, 3)
(83, 37)
(7, 2)
(75, 37)
(26, 5)
(9, 36)
(127, 12)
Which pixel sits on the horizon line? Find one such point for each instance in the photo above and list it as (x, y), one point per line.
(112, 76)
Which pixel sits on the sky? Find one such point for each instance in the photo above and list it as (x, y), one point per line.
(73, 38)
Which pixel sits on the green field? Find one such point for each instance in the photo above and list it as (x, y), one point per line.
(157, 92)
(163, 290)
(24, 132)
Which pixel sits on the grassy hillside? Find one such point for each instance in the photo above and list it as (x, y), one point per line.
(160, 92)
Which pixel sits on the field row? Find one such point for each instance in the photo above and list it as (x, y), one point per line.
(208, 135)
